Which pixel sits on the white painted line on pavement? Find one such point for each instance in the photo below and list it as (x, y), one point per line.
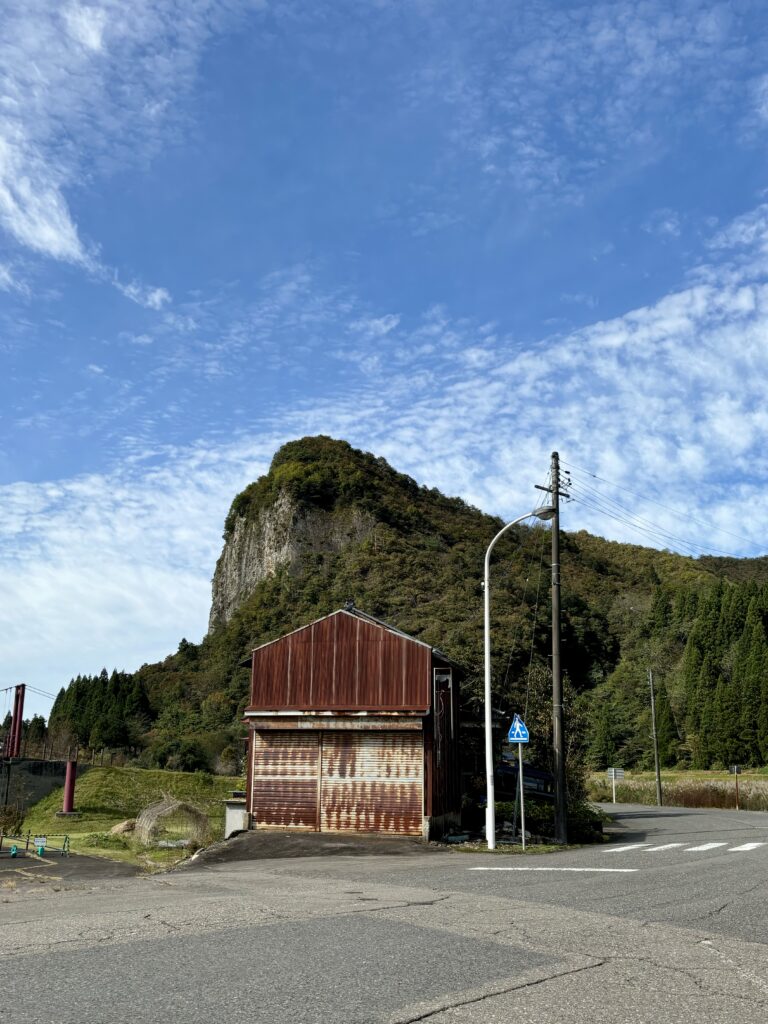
(623, 849)
(612, 871)
(745, 847)
(666, 846)
(705, 846)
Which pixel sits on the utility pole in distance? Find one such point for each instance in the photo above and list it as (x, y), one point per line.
(655, 741)
(558, 743)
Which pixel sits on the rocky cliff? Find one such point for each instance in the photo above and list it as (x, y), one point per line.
(282, 535)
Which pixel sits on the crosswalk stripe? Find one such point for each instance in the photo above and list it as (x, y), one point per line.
(647, 848)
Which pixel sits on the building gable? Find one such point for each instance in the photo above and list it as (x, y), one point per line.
(344, 661)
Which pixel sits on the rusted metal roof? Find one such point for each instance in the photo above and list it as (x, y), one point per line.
(342, 662)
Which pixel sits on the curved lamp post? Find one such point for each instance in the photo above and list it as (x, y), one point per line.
(545, 512)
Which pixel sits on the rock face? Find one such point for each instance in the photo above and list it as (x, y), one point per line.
(279, 536)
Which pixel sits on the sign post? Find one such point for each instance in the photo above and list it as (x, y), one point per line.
(735, 770)
(613, 774)
(518, 733)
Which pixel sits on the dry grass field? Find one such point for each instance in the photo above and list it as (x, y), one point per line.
(686, 789)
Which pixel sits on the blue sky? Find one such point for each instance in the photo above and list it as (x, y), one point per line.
(457, 235)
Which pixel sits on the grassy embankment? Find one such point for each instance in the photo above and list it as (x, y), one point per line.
(106, 796)
(686, 789)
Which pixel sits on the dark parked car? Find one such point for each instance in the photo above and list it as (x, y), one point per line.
(536, 781)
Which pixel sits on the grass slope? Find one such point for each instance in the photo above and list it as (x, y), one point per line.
(106, 796)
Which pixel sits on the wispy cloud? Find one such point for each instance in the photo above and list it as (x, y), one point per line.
(664, 223)
(545, 101)
(9, 281)
(90, 564)
(86, 89)
(143, 295)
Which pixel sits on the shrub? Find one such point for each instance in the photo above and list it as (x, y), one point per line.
(105, 841)
(11, 819)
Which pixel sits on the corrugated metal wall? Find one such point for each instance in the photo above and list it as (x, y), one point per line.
(342, 662)
(339, 781)
(286, 780)
(372, 782)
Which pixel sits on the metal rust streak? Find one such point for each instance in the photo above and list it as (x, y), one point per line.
(372, 783)
(346, 682)
(342, 662)
(285, 780)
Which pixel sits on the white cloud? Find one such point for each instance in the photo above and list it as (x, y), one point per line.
(9, 282)
(144, 295)
(547, 100)
(370, 328)
(86, 89)
(108, 570)
(665, 223)
(86, 25)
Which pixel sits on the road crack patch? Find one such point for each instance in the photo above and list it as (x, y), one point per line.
(743, 972)
(505, 990)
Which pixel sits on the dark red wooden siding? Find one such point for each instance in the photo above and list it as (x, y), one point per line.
(342, 663)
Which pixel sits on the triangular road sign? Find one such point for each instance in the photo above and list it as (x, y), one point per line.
(517, 731)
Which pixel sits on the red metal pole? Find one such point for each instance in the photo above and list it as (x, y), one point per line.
(8, 744)
(69, 788)
(13, 750)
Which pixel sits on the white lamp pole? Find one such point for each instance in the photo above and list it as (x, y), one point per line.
(546, 512)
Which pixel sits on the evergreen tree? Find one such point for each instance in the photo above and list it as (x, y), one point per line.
(725, 743)
(666, 730)
(602, 749)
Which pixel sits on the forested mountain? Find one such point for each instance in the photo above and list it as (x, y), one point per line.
(329, 524)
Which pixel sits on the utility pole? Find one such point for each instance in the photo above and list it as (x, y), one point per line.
(655, 740)
(558, 743)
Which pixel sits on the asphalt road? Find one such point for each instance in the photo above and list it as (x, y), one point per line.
(669, 923)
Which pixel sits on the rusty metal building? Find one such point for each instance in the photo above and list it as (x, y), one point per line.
(353, 727)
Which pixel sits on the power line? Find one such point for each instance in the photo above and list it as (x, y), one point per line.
(609, 506)
(655, 534)
(41, 693)
(31, 689)
(668, 508)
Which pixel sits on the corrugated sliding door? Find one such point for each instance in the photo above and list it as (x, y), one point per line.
(286, 777)
(372, 782)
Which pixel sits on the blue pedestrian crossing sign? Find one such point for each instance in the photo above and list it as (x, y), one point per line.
(518, 732)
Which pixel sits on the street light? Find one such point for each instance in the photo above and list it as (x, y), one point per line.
(545, 512)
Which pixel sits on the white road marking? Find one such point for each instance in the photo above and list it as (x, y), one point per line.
(703, 847)
(621, 871)
(666, 846)
(623, 849)
(745, 847)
